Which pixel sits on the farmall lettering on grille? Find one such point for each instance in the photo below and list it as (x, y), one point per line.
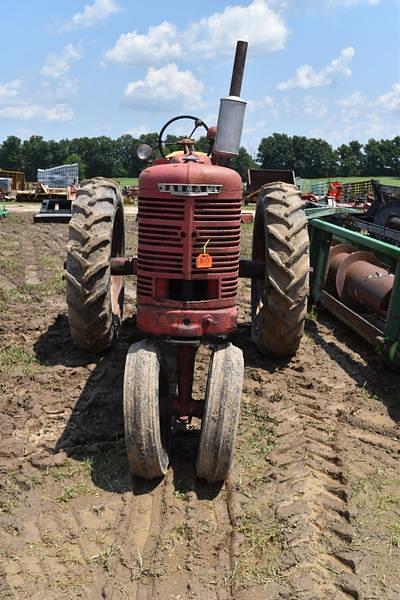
(189, 189)
(187, 268)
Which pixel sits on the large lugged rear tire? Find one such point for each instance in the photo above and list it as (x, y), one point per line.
(279, 301)
(145, 430)
(96, 233)
(221, 413)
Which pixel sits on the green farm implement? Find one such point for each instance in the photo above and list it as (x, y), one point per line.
(355, 261)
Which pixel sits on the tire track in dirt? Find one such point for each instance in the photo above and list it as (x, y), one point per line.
(31, 270)
(312, 494)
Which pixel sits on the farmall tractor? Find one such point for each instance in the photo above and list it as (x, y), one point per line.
(187, 270)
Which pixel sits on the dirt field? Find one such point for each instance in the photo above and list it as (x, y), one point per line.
(312, 506)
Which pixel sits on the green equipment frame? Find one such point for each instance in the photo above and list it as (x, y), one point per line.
(384, 337)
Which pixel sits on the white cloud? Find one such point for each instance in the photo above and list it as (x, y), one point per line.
(66, 88)
(164, 89)
(25, 112)
(306, 77)
(355, 100)
(391, 100)
(92, 14)
(9, 90)
(321, 4)
(313, 108)
(265, 105)
(211, 37)
(256, 23)
(139, 130)
(265, 102)
(160, 44)
(57, 65)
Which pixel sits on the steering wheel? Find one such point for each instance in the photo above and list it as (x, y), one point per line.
(197, 123)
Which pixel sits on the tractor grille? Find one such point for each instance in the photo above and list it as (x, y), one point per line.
(160, 246)
(219, 222)
(171, 210)
(166, 248)
(221, 210)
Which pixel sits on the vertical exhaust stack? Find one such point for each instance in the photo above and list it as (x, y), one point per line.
(232, 109)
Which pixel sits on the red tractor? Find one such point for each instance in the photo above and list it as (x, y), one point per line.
(187, 271)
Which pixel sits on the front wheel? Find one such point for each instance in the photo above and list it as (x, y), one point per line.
(221, 413)
(146, 431)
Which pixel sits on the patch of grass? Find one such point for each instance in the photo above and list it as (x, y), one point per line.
(11, 484)
(257, 440)
(375, 481)
(248, 574)
(74, 490)
(27, 293)
(256, 562)
(9, 264)
(3, 300)
(12, 357)
(258, 534)
(49, 261)
(387, 501)
(110, 469)
(71, 469)
(180, 533)
(101, 558)
(129, 181)
(34, 293)
(55, 284)
(395, 534)
(9, 490)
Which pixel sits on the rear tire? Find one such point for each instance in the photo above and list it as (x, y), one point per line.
(146, 436)
(96, 234)
(279, 301)
(221, 413)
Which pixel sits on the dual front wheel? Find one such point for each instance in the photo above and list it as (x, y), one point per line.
(148, 420)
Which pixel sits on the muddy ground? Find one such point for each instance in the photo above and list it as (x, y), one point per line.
(310, 510)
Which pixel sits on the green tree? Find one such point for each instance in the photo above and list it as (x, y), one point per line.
(374, 158)
(350, 159)
(73, 158)
(276, 152)
(11, 154)
(242, 163)
(36, 155)
(127, 161)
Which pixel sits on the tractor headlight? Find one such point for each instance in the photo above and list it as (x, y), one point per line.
(144, 151)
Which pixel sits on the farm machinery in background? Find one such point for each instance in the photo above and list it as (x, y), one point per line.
(56, 203)
(187, 269)
(56, 189)
(355, 259)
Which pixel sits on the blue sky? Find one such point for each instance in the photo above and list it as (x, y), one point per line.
(319, 68)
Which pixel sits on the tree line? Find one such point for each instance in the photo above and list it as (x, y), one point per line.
(308, 157)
